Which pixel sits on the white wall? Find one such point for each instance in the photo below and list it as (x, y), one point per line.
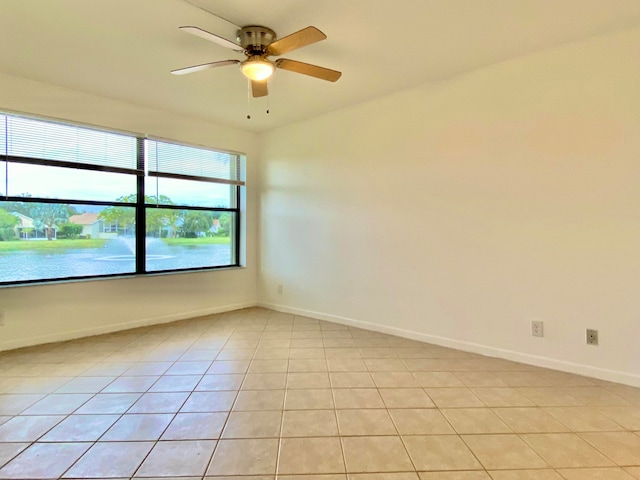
(458, 212)
(37, 314)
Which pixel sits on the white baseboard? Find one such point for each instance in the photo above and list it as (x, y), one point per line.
(529, 359)
(116, 327)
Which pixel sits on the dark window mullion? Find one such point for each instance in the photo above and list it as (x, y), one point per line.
(141, 217)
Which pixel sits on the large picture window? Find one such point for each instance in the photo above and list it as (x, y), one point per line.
(77, 202)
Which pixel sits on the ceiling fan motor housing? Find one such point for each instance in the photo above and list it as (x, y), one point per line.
(255, 39)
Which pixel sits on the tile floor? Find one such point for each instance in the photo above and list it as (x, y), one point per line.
(258, 393)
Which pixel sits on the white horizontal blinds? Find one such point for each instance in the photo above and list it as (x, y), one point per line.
(170, 160)
(27, 138)
(3, 155)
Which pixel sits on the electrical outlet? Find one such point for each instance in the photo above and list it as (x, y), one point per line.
(280, 289)
(537, 328)
(592, 337)
(1, 318)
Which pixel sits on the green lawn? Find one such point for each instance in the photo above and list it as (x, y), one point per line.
(198, 241)
(15, 245)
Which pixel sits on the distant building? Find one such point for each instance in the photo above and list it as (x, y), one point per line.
(26, 229)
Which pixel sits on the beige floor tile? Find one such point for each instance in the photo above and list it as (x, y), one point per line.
(209, 402)
(346, 364)
(312, 399)
(28, 429)
(177, 458)
(269, 366)
(188, 368)
(480, 379)
(633, 471)
(523, 379)
(394, 380)
(378, 352)
(14, 404)
(253, 424)
(545, 474)
(368, 422)
(375, 454)
(9, 451)
(245, 457)
(219, 367)
(468, 475)
(259, 400)
(195, 426)
(566, 450)
(107, 370)
(475, 421)
(147, 368)
(32, 385)
(199, 355)
(440, 452)
(384, 476)
(346, 398)
(176, 383)
(342, 353)
(214, 383)
(420, 422)
(309, 423)
(296, 353)
(351, 380)
(265, 381)
(503, 452)
(385, 365)
(80, 428)
(621, 447)
(58, 404)
(530, 420)
(307, 365)
(85, 385)
(595, 396)
(236, 354)
(437, 379)
(405, 398)
(308, 380)
(549, 397)
(159, 402)
(99, 460)
(131, 384)
(138, 427)
(339, 343)
(583, 419)
(502, 397)
(310, 455)
(44, 460)
(454, 397)
(595, 474)
(5, 419)
(106, 403)
(628, 417)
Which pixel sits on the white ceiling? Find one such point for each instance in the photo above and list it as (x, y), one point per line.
(124, 49)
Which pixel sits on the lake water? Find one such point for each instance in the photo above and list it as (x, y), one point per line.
(115, 257)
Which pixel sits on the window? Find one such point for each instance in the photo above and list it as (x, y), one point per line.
(77, 202)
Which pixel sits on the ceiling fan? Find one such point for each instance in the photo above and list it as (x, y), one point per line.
(258, 43)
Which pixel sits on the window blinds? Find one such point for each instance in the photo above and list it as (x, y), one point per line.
(170, 160)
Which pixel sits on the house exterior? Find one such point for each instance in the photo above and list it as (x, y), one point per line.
(92, 225)
(26, 229)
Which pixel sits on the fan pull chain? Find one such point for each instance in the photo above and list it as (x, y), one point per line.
(248, 99)
(267, 104)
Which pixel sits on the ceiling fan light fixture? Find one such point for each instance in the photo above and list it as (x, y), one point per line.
(257, 68)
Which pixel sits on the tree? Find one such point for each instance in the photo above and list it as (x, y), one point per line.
(196, 221)
(124, 217)
(48, 216)
(7, 224)
(19, 207)
(70, 230)
(161, 218)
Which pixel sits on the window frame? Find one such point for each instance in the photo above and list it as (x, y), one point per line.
(141, 172)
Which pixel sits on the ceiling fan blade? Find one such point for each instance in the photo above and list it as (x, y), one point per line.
(204, 66)
(212, 37)
(299, 39)
(259, 89)
(308, 69)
